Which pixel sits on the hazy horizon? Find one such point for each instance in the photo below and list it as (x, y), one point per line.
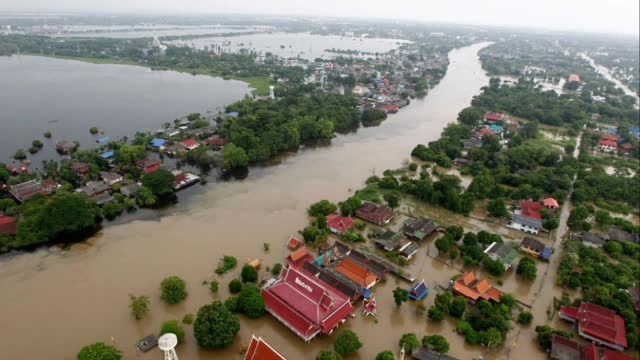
(618, 16)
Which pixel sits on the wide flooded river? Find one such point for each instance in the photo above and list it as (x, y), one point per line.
(55, 302)
(68, 97)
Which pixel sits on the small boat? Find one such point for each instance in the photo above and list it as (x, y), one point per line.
(147, 343)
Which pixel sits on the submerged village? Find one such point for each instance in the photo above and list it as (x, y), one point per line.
(513, 234)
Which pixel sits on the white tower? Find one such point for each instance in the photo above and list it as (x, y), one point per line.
(271, 93)
(167, 344)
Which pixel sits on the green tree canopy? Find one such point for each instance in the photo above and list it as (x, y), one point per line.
(234, 157)
(322, 208)
(99, 351)
(127, 155)
(400, 295)
(347, 343)
(160, 182)
(249, 274)
(527, 268)
(173, 289)
(251, 302)
(437, 343)
(173, 327)
(64, 214)
(385, 355)
(215, 326)
(409, 342)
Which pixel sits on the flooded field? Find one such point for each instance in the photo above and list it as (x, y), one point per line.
(303, 45)
(140, 31)
(85, 288)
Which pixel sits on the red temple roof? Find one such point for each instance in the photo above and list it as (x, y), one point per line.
(260, 350)
(599, 323)
(305, 305)
(493, 117)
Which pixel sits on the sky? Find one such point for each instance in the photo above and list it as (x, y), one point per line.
(611, 16)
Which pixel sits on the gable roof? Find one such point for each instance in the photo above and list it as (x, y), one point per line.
(532, 243)
(502, 251)
(565, 349)
(260, 350)
(356, 273)
(419, 228)
(473, 288)
(339, 223)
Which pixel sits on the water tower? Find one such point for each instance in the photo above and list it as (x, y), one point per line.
(167, 343)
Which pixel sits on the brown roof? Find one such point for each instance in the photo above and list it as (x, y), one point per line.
(532, 243)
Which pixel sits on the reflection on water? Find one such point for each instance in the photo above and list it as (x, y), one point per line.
(69, 97)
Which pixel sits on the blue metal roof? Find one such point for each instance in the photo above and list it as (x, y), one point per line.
(546, 253)
(107, 155)
(496, 128)
(366, 293)
(158, 142)
(233, 114)
(418, 291)
(103, 140)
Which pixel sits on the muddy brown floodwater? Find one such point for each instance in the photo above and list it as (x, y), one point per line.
(54, 302)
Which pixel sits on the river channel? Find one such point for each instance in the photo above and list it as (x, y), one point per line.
(56, 301)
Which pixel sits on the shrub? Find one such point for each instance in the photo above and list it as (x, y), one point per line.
(139, 306)
(226, 263)
(235, 286)
(215, 326)
(328, 355)
(457, 307)
(525, 318)
(322, 208)
(347, 343)
(173, 327)
(213, 286)
(413, 166)
(251, 302)
(174, 290)
(527, 268)
(409, 342)
(277, 268)
(436, 342)
(249, 274)
(187, 319)
(99, 351)
(94, 130)
(385, 355)
(435, 314)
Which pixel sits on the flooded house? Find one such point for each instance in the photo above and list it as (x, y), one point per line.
(419, 228)
(389, 241)
(426, 354)
(24, 191)
(338, 224)
(111, 178)
(377, 214)
(527, 217)
(130, 190)
(148, 165)
(81, 169)
(535, 248)
(67, 146)
(502, 252)
(474, 289)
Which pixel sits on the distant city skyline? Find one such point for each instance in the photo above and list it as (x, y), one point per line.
(614, 16)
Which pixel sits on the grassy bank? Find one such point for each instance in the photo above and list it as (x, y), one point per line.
(260, 84)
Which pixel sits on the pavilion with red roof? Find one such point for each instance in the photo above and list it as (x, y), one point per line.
(597, 324)
(305, 305)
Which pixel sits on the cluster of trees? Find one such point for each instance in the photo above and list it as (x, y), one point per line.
(604, 282)
(267, 128)
(446, 303)
(596, 184)
(471, 248)
(487, 323)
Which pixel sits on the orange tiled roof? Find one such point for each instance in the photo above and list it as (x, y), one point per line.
(356, 273)
(469, 286)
